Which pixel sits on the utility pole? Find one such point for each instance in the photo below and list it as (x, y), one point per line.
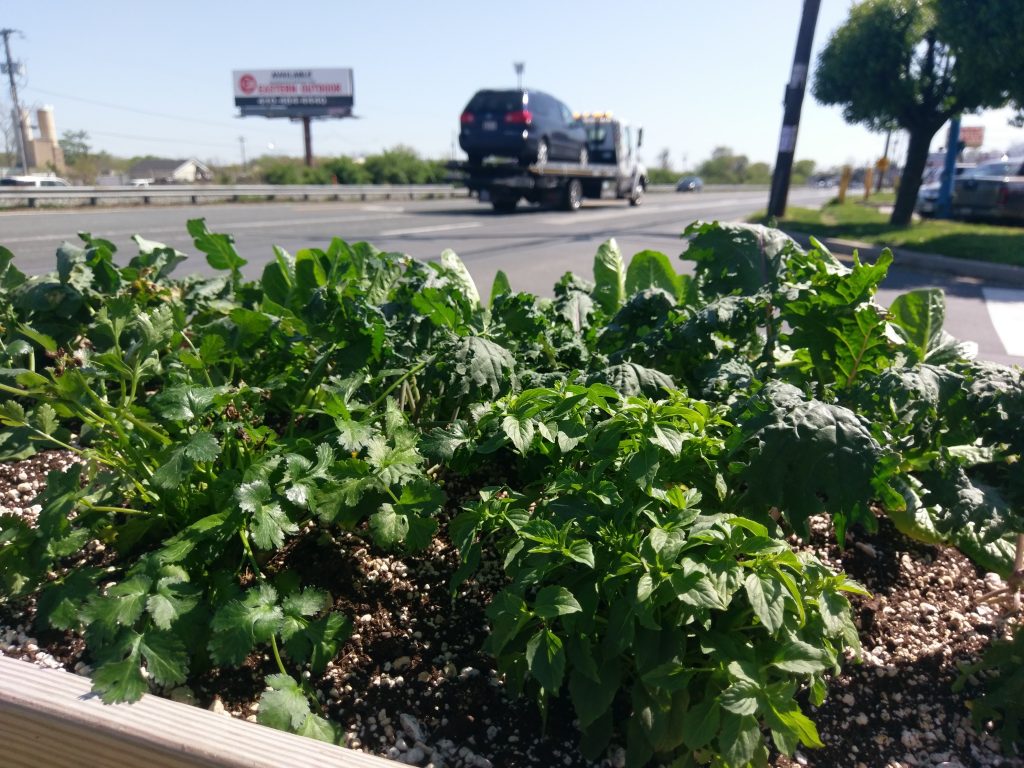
(520, 66)
(16, 115)
(241, 140)
(793, 102)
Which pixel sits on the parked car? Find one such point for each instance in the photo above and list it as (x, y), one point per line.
(527, 125)
(931, 184)
(992, 190)
(33, 181)
(690, 184)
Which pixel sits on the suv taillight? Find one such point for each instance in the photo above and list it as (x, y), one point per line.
(519, 116)
(467, 118)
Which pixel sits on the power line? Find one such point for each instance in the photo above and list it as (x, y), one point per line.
(108, 105)
(160, 138)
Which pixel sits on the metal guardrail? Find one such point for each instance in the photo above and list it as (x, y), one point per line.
(37, 197)
(51, 718)
(34, 197)
(713, 188)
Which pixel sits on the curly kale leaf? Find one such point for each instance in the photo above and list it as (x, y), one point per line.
(808, 457)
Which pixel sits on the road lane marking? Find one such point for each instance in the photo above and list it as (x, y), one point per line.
(228, 227)
(585, 218)
(420, 230)
(1006, 311)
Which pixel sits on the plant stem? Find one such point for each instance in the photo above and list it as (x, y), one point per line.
(250, 555)
(398, 382)
(120, 510)
(277, 655)
(206, 373)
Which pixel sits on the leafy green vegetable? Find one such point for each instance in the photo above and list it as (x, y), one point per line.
(660, 437)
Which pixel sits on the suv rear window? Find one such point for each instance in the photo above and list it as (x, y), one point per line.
(496, 101)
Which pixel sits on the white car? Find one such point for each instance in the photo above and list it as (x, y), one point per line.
(33, 181)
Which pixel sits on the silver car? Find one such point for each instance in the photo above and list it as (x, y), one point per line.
(993, 190)
(928, 194)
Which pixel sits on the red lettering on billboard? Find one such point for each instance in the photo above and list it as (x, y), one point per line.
(247, 83)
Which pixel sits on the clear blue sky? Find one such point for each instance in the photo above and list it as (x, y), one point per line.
(696, 74)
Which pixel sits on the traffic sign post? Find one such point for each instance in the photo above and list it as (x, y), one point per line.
(944, 208)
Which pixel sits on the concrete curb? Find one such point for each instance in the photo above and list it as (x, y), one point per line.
(1004, 274)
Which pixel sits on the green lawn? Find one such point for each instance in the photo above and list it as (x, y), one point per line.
(856, 221)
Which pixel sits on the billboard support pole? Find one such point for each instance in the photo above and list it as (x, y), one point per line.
(307, 139)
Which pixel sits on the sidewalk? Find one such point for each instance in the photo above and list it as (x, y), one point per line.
(1001, 274)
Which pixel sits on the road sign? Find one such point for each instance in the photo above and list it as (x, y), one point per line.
(972, 135)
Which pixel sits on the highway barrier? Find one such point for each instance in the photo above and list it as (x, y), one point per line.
(34, 197)
(195, 194)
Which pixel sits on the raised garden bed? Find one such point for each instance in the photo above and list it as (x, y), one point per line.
(352, 501)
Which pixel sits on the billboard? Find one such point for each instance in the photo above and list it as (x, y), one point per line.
(294, 92)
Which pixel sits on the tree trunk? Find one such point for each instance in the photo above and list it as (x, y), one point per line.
(910, 183)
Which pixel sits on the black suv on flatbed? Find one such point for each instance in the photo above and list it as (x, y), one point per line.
(528, 125)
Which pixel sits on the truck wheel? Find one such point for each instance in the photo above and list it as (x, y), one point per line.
(507, 205)
(573, 195)
(637, 195)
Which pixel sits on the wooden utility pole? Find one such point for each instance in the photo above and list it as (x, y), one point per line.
(793, 102)
(16, 113)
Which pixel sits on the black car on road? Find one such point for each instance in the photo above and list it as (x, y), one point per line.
(524, 124)
(690, 184)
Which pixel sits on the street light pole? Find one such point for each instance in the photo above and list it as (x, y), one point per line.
(520, 66)
(794, 102)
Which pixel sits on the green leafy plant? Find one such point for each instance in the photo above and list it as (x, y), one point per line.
(636, 586)
(661, 434)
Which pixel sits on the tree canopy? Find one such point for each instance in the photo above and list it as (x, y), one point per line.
(916, 64)
(75, 145)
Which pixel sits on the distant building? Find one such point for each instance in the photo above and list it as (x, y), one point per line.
(159, 171)
(111, 179)
(43, 152)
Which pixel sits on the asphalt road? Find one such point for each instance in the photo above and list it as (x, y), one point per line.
(533, 246)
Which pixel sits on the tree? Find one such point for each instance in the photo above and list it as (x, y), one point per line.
(918, 63)
(75, 145)
(802, 171)
(724, 167)
(664, 163)
(758, 173)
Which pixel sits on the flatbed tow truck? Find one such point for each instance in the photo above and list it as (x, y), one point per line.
(613, 171)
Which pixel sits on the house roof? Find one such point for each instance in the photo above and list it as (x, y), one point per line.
(160, 167)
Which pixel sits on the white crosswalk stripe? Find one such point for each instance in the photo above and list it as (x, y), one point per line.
(1006, 311)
